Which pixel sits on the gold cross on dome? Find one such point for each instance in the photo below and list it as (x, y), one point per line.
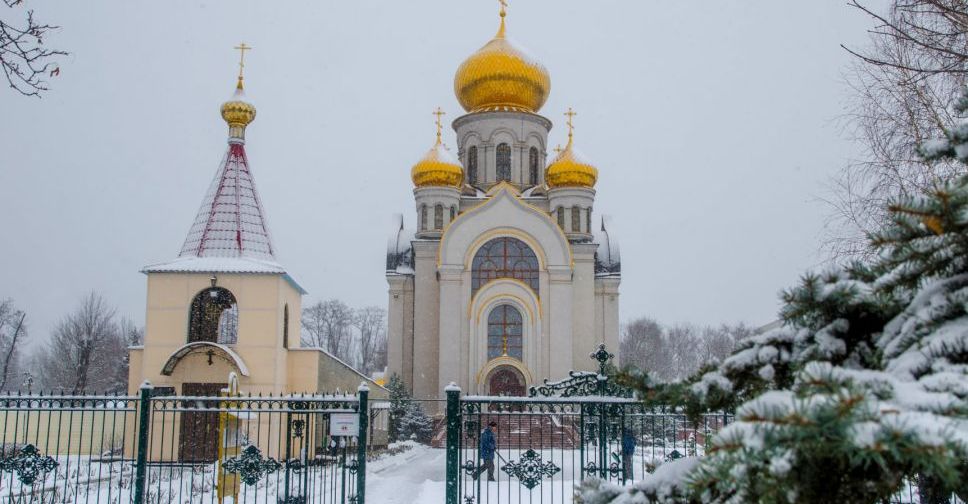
(558, 149)
(570, 115)
(504, 7)
(439, 112)
(242, 48)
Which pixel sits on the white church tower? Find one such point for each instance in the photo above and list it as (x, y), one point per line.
(508, 279)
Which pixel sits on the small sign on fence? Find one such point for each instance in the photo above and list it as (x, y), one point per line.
(344, 424)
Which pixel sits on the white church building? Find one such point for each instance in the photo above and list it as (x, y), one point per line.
(508, 277)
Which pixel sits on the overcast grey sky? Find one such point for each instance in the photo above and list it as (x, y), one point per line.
(712, 123)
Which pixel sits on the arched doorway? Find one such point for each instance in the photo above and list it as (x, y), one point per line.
(505, 381)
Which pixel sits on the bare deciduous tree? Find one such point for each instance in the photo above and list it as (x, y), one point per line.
(903, 86)
(85, 350)
(26, 61)
(327, 325)
(13, 331)
(679, 351)
(370, 322)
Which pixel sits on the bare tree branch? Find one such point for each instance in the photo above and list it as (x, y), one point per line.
(26, 62)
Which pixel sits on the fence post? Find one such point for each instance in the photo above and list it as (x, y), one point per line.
(453, 443)
(364, 393)
(141, 456)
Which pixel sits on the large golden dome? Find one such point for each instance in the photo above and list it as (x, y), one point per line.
(500, 76)
(437, 168)
(569, 169)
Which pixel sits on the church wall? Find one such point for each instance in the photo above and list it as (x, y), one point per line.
(400, 328)
(425, 321)
(260, 299)
(583, 307)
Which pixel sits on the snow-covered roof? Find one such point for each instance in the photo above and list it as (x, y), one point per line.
(400, 249)
(230, 221)
(608, 260)
(191, 264)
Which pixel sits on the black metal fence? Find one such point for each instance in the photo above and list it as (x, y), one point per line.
(544, 447)
(183, 449)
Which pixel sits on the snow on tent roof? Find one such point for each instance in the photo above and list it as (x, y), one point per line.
(608, 260)
(216, 265)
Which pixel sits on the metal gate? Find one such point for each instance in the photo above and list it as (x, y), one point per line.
(158, 448)
(538, 448)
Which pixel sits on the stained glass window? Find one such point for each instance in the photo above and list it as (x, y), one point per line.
(472, 165)
(533, 166)
(504, 332)
(504, 258)
(503, 162)
(214, 317)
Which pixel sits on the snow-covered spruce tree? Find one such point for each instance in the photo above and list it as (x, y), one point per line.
(865, 384)
(399, 401)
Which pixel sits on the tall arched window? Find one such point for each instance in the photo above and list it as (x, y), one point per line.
(438, 216)
(533, 166)
(214, 317)
(453, 213)
(503, 162)
(575, 219)
(504, 333)
(588, 220)
(285, 326)
(423, 217)
(504, 258)
(472, 165)
(561, 217)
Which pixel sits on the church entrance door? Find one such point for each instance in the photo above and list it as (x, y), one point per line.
(198, 435)
(506, 381)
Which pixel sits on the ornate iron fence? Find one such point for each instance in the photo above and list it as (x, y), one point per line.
(157, 448)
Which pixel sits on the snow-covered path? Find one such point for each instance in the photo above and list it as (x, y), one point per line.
(414, 476)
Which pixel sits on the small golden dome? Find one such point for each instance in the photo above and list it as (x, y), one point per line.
(500, 76)
(437, 168)
(237, 112)
(568, 168)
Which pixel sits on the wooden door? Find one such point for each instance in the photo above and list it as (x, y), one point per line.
(198, 434)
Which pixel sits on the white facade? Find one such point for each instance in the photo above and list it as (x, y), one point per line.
(559, 306)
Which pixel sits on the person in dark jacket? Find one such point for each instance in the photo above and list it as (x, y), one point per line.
(486, 449)
(628, 449)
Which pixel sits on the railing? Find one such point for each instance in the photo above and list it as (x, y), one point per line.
(150, 449)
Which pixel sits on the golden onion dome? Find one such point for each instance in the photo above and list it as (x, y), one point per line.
(569, 169)
(437, 168)
(500, 76)
(237, 112)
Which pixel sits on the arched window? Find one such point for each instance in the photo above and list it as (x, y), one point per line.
(423, 217)
(503, 162)
(561, 217)
(453, 213)
(588, 220)
(472, 165)
(504, 258)
(533, 166)
(439, 216)
(285, 326)
(214, 317)
(575, 219)
(504, 329)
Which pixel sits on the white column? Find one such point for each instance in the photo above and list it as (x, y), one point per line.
(451, 345)
(561, 321)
